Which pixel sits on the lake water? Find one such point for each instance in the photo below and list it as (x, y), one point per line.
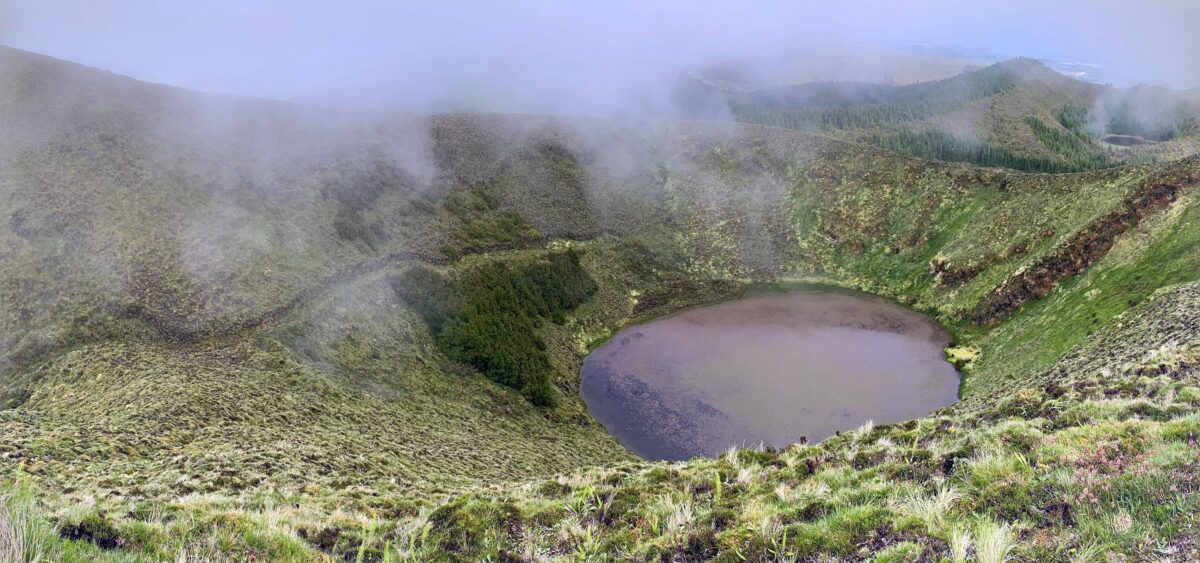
(772, 369)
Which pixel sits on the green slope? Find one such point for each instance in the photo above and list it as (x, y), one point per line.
(1016, 114)
(214, 343)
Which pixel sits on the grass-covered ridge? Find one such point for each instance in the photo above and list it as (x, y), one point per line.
(1016, 114)
(216, 350)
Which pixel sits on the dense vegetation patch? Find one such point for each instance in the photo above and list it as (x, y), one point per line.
(484, 226)
(1071, 142)
(939, 145)
(354, 191)
(487, 317)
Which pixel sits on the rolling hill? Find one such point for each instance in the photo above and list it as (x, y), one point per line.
(829, 62)
(1017, 114)
(237, 329)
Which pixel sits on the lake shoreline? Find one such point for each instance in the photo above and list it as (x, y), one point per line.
(773, 366)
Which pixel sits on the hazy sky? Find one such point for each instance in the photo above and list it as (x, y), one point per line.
(566, 52)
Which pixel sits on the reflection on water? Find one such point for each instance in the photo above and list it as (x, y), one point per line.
(773, 369)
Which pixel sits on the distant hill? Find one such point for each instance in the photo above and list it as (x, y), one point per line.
(829, 63)
(1017, 114)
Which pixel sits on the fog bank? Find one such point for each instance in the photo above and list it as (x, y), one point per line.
(540, 56)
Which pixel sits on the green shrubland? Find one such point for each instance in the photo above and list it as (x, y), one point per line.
(326, 356)
(488, 317)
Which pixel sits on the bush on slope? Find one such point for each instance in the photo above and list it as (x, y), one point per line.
(487, 318)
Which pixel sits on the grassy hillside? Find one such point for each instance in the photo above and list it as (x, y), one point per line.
(1016, 114)
(1093, 458)
(235, 328)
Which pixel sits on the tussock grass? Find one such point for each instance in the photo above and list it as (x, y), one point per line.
(993, 542)
(933, 510)
(960, 544)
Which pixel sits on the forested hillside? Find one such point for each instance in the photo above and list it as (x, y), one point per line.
(1016, 114)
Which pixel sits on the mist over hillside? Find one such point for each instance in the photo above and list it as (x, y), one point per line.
(537, 56)
(306, 294)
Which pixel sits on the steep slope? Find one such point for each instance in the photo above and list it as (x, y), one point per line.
(1092, 459)
(153, 233)
(222, 327)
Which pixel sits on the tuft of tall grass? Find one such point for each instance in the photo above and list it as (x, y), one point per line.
(993, 542)
(932, 510)
(862, 432)
(670, 517)
(12, 534)
(960, 544)
(25, 534)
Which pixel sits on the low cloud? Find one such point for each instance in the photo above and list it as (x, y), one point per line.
(541, 56)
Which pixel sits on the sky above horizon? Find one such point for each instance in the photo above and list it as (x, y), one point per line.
(563, 53)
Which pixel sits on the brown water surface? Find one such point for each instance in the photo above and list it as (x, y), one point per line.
(771, 370)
